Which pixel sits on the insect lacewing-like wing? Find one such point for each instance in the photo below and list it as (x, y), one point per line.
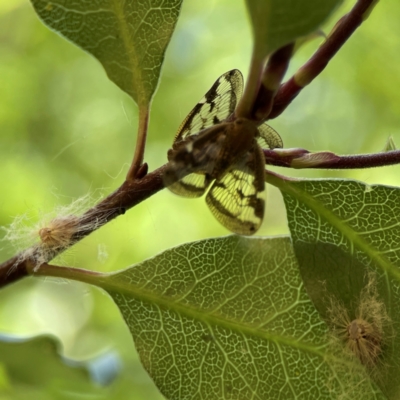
(209, 146)
(193, 154)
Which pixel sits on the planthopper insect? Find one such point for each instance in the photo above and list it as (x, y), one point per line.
(214, 149)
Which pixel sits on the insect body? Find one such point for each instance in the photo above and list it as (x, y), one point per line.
(213, 148)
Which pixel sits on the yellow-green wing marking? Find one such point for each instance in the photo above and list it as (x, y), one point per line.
(216, 105)
(237, 199)
(269, 137)
(192, 185)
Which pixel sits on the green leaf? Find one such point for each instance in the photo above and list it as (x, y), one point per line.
(129, 37)
(276, 23)
(34, 365)
(343, 233)
(229, 318)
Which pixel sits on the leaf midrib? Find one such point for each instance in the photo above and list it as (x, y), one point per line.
(130, 51)
(353, 236)
(111, 286)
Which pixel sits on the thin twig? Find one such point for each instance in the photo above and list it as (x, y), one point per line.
(140, 144)
(244, 107)
(317, 63)
(303, 159)
(78, 274)
(134, 192)
(270, 81)
(128, 195)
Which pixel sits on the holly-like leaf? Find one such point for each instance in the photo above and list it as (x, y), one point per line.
(346, 236)
(229, 318)
(279, 22)
(129, 37)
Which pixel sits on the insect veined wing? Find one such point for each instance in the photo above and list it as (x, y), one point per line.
(195, 150)
(269, 137)
(192, 185)
(216, 105)
(237, 199)
(192, 162)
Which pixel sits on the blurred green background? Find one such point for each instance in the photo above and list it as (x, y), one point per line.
(67, 132)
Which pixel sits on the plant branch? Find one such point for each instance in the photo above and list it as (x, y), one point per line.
(344, 28)
(129, 194)
(140, 144)
(245, 105)
(301, 159)
(132, 193)
(76, 274)
(271, 79)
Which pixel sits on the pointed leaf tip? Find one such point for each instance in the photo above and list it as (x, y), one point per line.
(129, 38)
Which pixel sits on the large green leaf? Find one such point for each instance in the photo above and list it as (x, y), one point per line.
(279, 22)
(229, 318)
(128, 37)
(342, 232)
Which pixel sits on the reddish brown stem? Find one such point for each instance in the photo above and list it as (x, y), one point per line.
(301, 158)
(270, 80)
(132, 193)
(137, 161)
(317, 63)
(129, 194)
